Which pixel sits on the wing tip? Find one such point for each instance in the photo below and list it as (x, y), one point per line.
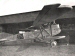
(53, 4)
(73, 7)
(65, 6)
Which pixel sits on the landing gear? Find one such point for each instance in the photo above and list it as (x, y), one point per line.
(53, 43)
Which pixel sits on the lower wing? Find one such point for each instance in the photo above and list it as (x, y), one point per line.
(55, 37)
(3, 40)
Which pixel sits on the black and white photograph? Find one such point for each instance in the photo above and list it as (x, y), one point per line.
(37, 27)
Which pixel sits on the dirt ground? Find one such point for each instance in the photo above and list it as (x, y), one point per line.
(37, 50)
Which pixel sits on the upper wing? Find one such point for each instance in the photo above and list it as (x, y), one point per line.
(70, 14)
(50, 13)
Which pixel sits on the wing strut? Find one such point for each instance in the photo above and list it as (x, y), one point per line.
(44, 30)
(49, 26)
(41, 32)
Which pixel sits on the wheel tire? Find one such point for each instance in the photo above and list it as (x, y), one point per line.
(53, 43)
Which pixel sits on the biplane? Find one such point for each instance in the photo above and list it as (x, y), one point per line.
(47, 27)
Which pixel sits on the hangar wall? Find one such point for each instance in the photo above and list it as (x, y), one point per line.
(12, 23)
(68, 29)
(18, 18)
(15, 27)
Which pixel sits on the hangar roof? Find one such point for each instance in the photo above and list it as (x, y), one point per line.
(18, 18)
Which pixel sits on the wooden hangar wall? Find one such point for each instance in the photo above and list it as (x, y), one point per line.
(67, 29)
(15, 27)
(12, 23)
(18, 18)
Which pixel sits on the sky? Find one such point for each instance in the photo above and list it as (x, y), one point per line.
(8, 7)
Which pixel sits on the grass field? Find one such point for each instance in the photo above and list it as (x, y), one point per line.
(37, 50)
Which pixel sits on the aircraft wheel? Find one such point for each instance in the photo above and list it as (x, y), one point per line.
(53, 43)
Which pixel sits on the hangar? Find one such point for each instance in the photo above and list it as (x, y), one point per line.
(17, 21)
(13, 23)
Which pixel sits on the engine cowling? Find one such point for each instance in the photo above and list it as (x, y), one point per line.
(55, 29)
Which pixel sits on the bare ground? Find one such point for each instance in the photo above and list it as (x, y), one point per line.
(37, 50)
